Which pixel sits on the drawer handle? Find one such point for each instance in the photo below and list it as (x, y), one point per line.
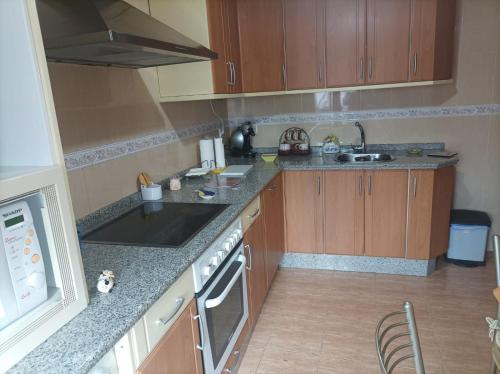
(178, 305)
(254, 214)
(202, 332)
(230, 370)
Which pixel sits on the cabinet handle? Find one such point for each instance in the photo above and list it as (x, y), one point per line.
(283, 67)
(249, 266)
(415, 62)
(235, 365)
(273, 188)
(233, 69)
(360, 185)
(230, 80)
(178, 305)
(318, 184)
(369, 185)
(415, 186)
(202, 333)
(321, 72)
(362, 68)
(254, 214)
(370, 67)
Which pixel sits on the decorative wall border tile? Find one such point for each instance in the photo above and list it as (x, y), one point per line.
(365, 115)
(93, 156)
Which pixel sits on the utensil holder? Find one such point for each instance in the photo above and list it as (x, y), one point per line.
(151, 192)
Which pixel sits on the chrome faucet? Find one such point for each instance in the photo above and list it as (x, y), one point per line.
(362, 147)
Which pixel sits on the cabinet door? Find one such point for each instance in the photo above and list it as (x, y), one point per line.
(386, 194)
(432, 38)
(190, 19)
(344, 212)
(221, 68)
(272, 207)
(233, 38)
(304, 44)
(177, 353)
(261, 44)
(345, 42)
(420, 213)
(388, 30)
(303, 211)
(255, 251)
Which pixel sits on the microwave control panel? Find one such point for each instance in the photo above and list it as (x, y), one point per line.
(22, 255)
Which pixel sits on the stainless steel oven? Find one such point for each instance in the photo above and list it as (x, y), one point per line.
(223, 310)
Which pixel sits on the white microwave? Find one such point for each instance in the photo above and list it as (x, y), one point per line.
(23, 283)
(42, 285)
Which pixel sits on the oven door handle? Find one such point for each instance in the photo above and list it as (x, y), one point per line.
(216, 301)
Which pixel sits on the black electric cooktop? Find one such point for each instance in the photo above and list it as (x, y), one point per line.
(157, 224)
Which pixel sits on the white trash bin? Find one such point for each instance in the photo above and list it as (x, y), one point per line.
(468, 237)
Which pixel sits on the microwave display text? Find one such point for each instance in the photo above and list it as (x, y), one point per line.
(13, 221)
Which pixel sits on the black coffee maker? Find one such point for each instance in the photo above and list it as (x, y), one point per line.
(241, 143)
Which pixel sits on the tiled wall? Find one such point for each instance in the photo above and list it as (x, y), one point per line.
(97, 106)
(477, 81)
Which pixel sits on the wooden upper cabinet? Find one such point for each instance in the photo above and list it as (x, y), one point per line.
(388, 38)
(345, 36)
(386, 194)
(176, 353)
(304, 211)
(344, 212)
(304, 44)
(261, 45)
(273, 210)
(224, 40)
(429, 204)
(432, 39)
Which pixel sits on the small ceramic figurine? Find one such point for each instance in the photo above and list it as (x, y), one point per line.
(106, 281)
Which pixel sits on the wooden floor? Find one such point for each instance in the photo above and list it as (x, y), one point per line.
(323, 322)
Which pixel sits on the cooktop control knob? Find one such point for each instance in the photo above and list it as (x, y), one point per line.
(206, 270)
(215, 260)
(238, 233)
(227, 246)
(221, 254)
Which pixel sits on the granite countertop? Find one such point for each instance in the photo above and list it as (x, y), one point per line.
(143, 274)
(401, 161)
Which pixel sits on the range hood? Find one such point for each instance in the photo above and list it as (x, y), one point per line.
(112, 33)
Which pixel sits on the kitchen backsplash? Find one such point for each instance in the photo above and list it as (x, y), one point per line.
(112, 127)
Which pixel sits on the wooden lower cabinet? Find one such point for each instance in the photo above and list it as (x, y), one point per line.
(274, 225)
(344, 212)
(385, 212)
(176, 353)
(304, 211)
(429, 204)
(255, 252)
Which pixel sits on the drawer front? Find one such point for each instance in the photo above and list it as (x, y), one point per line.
(250, 214)
(162, 315)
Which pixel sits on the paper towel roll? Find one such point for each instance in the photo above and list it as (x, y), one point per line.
(220, 158)
(207, 153)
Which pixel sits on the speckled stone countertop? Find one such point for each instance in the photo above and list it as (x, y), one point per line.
(143, 274)
(401, 161)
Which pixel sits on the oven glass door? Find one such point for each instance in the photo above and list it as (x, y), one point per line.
(223, 320)
(224, 310)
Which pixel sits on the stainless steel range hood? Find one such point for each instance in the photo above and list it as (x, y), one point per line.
(112, 33)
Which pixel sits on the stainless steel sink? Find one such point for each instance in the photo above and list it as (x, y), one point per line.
(364, 157)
